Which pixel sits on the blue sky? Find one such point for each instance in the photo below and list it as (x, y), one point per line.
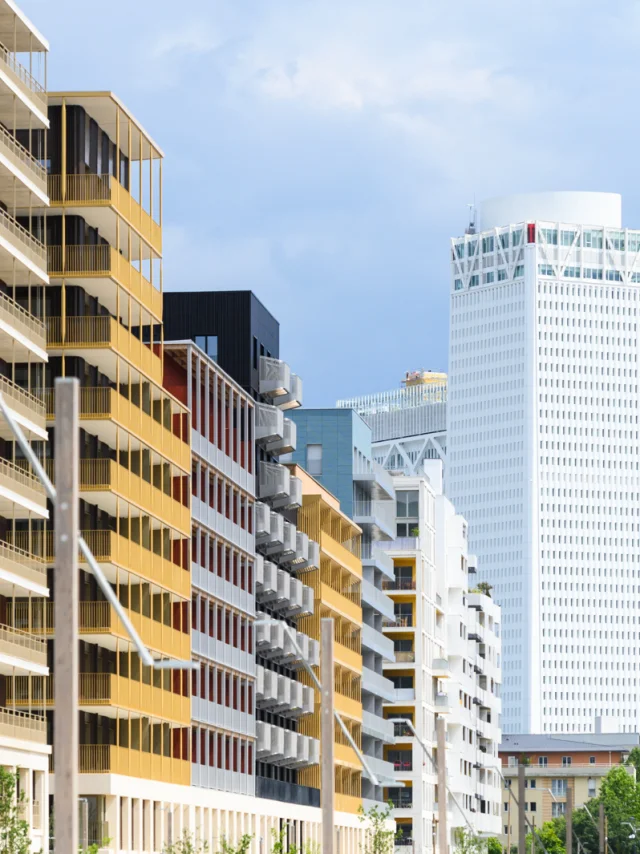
(323, 152)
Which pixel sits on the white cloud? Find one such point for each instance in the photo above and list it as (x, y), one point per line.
(194, 38)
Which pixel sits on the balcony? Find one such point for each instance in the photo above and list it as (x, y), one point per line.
(400, 621)
(374, 640)
(23, 335)
(99, 620)
(103, 191)
(285, 444)
(403, 764)
(383, 770)
(27, 409)
(24, 165)
(404, 695)
(23, 726)
(405, 656)
(279, 694)
(402, 801)
(112, 759)
(21, 492)
(401, 730)
(290, 793)
(266, 581)
(21, 570)
(270, 540)
(107, 547)
(26, 249)
(376, 683)
(285, 747)
(85, 263)
(105, 692)
(107, 476)
(442, 703)
(400, 584)
(23, 82)
(279, 384)
(376, 599)
(102, 403)
(376, 516)
(103, 332)
(377, 727)
(269, 424)
(274, 642)
(377, 483)
(273, 483)
(440, 668)
(376, 558)
(20, 652)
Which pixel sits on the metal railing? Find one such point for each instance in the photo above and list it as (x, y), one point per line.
(22, 720)
(21, 315)
(79, 260)
(22, 154)
(20, 474)
(406, 656)
(89, 331)
(37, 250)
(94, 474)
(22, 556)
(87, 189)
(9, 59)
(17, 637)
(27, 398)
(400, 621)
(95, 402)
(399, 584)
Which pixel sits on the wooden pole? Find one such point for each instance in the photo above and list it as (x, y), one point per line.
(66, 615)
(569, 818)
(601, 843)
(522, 825)
(327, 771)
(441, 744)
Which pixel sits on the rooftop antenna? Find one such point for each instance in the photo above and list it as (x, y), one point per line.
(471, 228)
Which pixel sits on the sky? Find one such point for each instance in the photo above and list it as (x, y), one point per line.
(322, 153)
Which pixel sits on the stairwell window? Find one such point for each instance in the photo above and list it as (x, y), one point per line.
(314, 460)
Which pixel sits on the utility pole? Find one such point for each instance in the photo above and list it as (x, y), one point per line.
(602, 840)
(508, 824)
(441, 743)
(66, 615)
(569, 817)
(327, 771)
(84, 815)
(522, 819)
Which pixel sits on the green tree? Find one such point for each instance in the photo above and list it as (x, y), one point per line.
(379, 838)
(14, 831)
(240, 848)
(279, 844)
(485, 587)
(468, 843)
(188, 843)
(493, 846)
(548, 836)
(634, 759)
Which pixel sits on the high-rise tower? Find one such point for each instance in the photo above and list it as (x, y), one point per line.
(543, 454)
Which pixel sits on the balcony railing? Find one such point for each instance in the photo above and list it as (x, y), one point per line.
(79, 260)
(405, 656)
(26, 401)
(402, 802)
(8, 59)
(23, 725)
(15, 640)
(17, 313)
(400, 621)
(401, 730)
(30, 245)
(87, 331)
(83, 189)
(94, 402)
(399, 584)
(403, 764)
(19, 474)
(22, 155)
(39, 617)
(11, 555)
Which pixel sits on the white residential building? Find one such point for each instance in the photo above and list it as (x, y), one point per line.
(447, 648)
(543, 452)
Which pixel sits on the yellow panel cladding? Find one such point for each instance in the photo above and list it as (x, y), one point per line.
(111, 759)
(336, 586)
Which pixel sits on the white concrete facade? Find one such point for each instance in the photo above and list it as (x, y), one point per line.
(454, 665)
(543, 453)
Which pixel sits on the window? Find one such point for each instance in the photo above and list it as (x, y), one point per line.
(559, 787)
(532, 784)
(314, 460)
(533, 806)
(591, 787)
(407, 509)
(474, 281)
(592, 760)
(512, 761)
(519, 271)
(557, 810)
(487, 244)
(542, 760)
(208, 343)
(502, 274)
(457, 284)
(566, 760)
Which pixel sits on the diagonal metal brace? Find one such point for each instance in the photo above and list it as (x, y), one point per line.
(106, 588)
